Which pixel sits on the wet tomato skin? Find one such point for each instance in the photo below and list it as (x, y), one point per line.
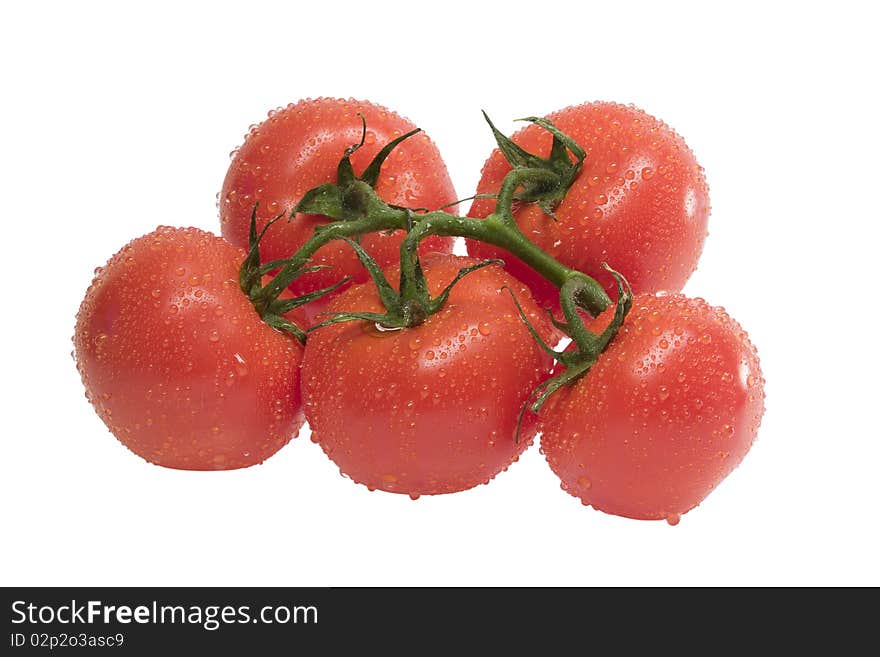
(430, 409)
(640, 203)
(298, 148)
(669, 410)
(177, 363)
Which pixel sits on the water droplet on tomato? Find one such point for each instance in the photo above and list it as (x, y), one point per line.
(673, 519)
(647, 173)
(214, 335)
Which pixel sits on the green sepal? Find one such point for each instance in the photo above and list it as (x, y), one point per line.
(344, 171)
(371, 173)
(265, 298)
(347, 199)
(285, 326)
(250, 273)
(297, 273)
(561, 141)
(517, 156)
(624, 304)
(547, 195)
(247, 271)
(388, 295)
(326, 199)
(577, 363)
(282, 281)
(547, 388)
(281, 306)
(560, 356)
(439, 301)
(553, 384)
(562, 326)
(272, 265)
(414, 296)
(378, 318)
(467, 198)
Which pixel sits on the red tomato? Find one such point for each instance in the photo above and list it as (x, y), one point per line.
(298, 148)
(430, 409)
(640, 203)
(669, 410)
(176, 361)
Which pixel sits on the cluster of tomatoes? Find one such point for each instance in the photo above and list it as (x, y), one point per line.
(187, 374)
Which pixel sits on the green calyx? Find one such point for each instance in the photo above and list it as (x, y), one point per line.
(588, 345)
(270, 307)
(350, 202)
(401, 311)
(547, 180)
(351, 197)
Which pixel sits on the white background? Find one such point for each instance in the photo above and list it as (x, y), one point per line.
(117, 119)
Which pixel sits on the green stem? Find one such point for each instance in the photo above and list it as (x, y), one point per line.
(381, 219)
(512, 182)
(355, 209)
(494, 229)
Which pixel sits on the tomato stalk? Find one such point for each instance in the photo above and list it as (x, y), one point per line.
(356, 209)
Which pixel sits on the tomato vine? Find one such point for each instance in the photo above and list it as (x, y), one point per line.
(355, 210)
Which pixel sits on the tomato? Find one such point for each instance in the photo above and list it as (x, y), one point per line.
(668, 411)
(176, 361)
(429, 409)
(298, 148)
(640, 203)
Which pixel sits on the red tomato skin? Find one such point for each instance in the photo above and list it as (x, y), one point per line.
(176, 361)
(669, 410)
(431, 409)
(640, 203)
(298, 148)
